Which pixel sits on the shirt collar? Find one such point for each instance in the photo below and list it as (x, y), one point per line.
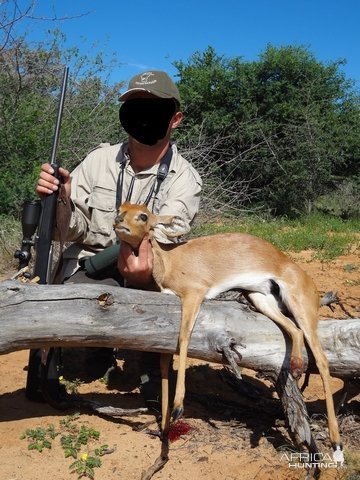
(123, 156)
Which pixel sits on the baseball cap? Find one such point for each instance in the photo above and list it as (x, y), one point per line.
(156, 82)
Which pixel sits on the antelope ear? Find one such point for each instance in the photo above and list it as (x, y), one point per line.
(172, 226)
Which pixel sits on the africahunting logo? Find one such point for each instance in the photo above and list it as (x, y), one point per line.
(312, 460)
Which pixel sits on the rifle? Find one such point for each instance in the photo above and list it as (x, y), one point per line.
(43, 368)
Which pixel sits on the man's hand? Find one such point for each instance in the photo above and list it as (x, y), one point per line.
(136, 269)
(48, 184)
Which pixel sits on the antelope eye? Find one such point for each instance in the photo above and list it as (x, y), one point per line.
(143, 217)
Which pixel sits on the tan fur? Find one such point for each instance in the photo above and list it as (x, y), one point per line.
(202, 267)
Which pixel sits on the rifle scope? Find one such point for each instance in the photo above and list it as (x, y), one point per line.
(29, 222)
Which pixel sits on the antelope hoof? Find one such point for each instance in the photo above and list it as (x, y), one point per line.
(296, 367)
(338, 454)
(177, 413)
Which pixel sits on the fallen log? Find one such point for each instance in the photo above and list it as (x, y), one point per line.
(35, 316)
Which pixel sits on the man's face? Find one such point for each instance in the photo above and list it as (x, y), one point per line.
(146, 117)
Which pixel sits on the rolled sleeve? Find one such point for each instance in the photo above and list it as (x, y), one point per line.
(180, 197)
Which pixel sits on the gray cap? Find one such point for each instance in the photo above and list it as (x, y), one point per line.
(156, 82)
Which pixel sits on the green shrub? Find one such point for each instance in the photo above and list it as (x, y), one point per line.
(343, 202)
(10, 240)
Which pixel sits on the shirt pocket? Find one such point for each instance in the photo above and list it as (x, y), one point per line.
(102, 207)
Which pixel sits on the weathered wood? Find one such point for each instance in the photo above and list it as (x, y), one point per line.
(33, 316)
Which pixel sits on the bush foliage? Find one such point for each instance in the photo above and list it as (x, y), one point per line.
(280, 134)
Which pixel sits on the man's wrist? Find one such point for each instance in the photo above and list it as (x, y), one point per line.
(143, 281)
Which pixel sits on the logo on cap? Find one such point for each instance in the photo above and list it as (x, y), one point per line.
(144, 79)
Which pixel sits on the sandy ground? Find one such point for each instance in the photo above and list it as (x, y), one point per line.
(232, 435)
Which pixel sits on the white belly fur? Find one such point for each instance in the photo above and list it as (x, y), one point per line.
(248, 281)
(168, 291)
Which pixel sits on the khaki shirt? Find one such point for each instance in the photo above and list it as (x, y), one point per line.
(93, 194)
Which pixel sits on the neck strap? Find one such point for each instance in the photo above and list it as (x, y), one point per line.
(162, 172)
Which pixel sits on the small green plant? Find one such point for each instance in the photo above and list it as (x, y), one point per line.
(73, 438)
(67, 423)
(39, 438)
(350, 268)
(72, 443)
(84, 467)
(103, 450)
(70, 446)
(353, 283)
(71, 386)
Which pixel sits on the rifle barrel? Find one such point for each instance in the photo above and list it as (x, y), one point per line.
(59, 116)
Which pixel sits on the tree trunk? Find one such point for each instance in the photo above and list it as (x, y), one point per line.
(34, 316)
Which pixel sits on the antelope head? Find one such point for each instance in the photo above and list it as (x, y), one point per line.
(134, 221)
